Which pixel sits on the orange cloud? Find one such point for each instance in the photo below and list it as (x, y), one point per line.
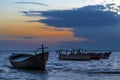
(41, 32)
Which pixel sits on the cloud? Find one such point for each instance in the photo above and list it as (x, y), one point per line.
(36, 3)
(103, 37)
(83, 17)
(26, 37)
(88, 16)
(96, 23)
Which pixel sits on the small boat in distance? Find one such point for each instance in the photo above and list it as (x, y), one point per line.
(74, 57)
(79, 55)
(105, 55)
(71, 55)
(29, 61)
(100, 55)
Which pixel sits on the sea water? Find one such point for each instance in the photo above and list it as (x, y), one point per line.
(103, 69)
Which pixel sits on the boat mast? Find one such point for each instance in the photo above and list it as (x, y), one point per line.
(43, 48)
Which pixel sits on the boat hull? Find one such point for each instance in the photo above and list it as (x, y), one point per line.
(84, 56)
(32, 62)
(105, 55)
(75, 57)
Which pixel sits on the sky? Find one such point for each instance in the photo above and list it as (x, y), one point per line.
(88, 24)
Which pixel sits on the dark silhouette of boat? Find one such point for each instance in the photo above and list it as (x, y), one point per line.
(29, 61)
(100, 55)
(105, 55)
(75, 57)
(82, 56)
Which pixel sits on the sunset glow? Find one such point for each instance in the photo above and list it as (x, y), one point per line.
(59, 22)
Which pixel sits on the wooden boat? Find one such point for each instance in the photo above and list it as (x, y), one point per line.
(71, 55)
(94, 56)
(75, 57)
(105, 55)
(29, 61)
(82, 56)
(101, 55)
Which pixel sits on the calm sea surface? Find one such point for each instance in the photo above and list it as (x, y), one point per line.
(104, 69)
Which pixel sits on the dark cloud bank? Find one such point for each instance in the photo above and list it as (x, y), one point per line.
(82, 17)
(91, 22)
(89, 16)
